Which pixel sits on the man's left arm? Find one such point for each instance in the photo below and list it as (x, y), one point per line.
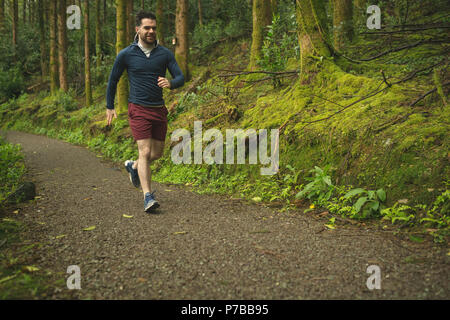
(177, 75)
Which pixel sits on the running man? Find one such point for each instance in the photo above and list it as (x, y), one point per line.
(146, 63)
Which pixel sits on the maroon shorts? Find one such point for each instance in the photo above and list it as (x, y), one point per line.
(148, 122)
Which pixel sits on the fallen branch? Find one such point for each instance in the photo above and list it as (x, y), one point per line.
(239, 73)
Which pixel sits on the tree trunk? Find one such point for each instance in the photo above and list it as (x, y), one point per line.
(42, 42)
(87, 63)
(161, 21)
(98, 38)
(200, 14)
(14, 19)
(105, 11)
(262, 17)
(2, 14)
(53, 47)
(131, 31)
(62, 45)
(24, 11)
(142, 5)
(181, 33)
(342, 23)
(312, 31)
(121, 31)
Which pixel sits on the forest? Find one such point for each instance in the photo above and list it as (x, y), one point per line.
(356, 90)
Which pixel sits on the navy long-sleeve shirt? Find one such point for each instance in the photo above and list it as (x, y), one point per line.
(143, 73)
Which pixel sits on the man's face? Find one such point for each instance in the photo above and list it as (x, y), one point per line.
(147, 31)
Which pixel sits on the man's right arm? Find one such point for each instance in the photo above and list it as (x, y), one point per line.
(117, 70)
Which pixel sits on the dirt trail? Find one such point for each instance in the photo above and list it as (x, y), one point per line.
(201, 246)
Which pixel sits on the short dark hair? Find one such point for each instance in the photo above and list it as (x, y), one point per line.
(144, 15)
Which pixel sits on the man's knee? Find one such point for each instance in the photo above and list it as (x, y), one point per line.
(155, 156)
(145, 153)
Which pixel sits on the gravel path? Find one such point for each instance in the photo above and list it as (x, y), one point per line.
(202, 246)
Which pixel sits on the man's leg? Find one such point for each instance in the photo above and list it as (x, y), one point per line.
(149, 150)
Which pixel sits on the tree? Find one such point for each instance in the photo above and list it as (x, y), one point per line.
(161, 21)
(262, 17)
(24, 11)
(87, 63)
(14, 19)
(312, 31)
(98, 37)
(342, 22)
(181, 34)
(2, 14)
(200, 13)
(131, 32)
(62, 46)
(53, 46)
(121, 32)
(42, 42)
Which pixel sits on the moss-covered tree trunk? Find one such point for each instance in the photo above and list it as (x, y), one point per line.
(87, 62)
(98, 36)
(161, 21)
(262, 17)
(313, 34)
(42, 42)
(52, 8)
(2, 15)
(181, 32)
(62, 45)
(14, 18)
(121, 43)
(342, 23)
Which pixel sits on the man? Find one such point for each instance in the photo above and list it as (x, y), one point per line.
(146, 63)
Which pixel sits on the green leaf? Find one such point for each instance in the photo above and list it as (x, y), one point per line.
(89, 228)
(361, 201)
(375, 205)
(371, 194)
(381, 194)
(327, 180)
(353, 192)
(415, 239)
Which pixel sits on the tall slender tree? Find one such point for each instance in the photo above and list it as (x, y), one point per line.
(262, 17)
(161, 21)
(98, 36)
(181, 33)
(62, 46)
(14, 19)
(121, 32)
(52, 13)
(313, 34)
(24, 11)
(87, 63)
(42, 39)
(131, 32)
(200, 13)
(342, 22)
(2, 14)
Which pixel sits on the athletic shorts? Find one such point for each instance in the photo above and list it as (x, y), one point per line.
(148, 122)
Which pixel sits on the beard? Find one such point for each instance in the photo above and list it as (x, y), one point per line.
(146, 40)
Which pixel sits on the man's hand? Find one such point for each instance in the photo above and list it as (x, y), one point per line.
(163, 82)
(110, 113)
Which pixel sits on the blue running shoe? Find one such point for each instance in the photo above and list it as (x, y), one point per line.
(134, 176)
(150, 203)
